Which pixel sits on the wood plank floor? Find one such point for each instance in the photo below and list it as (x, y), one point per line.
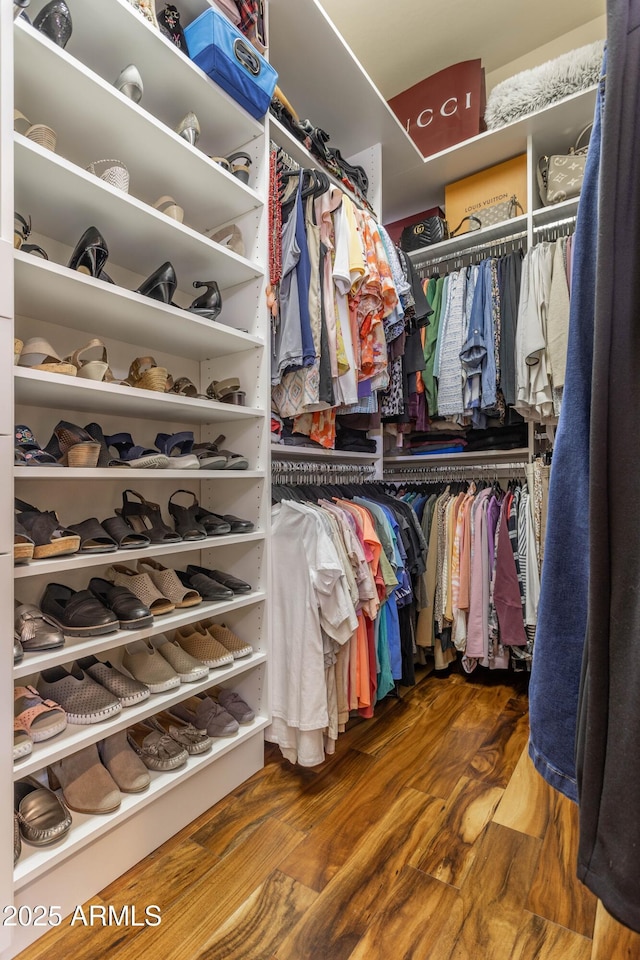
(428, 836)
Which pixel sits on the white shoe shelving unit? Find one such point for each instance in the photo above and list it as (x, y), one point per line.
(72, 91)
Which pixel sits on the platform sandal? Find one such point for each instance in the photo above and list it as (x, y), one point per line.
(50, 537)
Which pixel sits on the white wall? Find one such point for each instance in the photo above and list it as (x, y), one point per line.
(587, 33)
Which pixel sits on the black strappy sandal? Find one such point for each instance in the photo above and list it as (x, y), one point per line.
(184, 518)
(145, 517)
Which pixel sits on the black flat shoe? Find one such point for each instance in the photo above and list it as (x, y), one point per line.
(226, 579)
(90, 254)
(130, 611)
(161, 285)
(77, 614)
(207, 588)
(208, 304)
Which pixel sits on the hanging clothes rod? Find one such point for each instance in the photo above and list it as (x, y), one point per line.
(556, 224)
(299, 473)
(471, 250)
(284, 158)
(425, 474)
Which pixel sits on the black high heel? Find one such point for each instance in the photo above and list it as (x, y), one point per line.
(90, 254)
(208, 304)
(161, 285)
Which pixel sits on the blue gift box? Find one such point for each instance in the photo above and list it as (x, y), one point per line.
(227, 57)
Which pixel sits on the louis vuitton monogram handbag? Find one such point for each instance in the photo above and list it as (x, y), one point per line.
(560, 177)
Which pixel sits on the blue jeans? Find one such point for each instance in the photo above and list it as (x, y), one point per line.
(562, 613)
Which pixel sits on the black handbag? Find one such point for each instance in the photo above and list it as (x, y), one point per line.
(431, 230)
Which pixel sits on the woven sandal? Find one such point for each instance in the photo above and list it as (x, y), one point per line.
(50, 538)
(142, 586)
(38, 354)
(168, 583)
(145, 374)
(145, 517)
(184, 518)
(133, 455)
(95, 369)
(77, 448)
(93, 537)
(41, 719)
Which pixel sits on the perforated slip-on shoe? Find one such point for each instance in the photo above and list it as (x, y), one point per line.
(146, 664)
(126, 689)
(83, 700)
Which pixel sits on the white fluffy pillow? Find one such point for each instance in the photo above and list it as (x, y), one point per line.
(535, 89)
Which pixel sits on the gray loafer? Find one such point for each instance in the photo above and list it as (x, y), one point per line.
(207, 716)
(156, 750)
(235, 705)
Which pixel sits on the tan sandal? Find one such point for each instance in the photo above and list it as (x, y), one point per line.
(145, 374)
(170, 208)
(96, 369)
(168, 583)
(141, 586)
(219, 389)
(229, 237)
(38, 354)
(184, 388)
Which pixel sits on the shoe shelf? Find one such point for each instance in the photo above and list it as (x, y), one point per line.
(80, 561)
(108, 36)
(70, 474)
(76, 736)
(69, 298)
(48, 79)
(34, 861)
(84, 646)
(41, 389)
(63, 199)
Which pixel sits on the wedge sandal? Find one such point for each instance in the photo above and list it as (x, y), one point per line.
(169, 585)
(184, 518)
(50, 537)
(38, 354)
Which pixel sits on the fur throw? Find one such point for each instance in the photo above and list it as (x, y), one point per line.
(535, 89)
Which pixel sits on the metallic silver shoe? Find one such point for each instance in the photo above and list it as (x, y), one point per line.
(189, 129)
(129, 82)
(42, 816)
(18, 650)
(33, 630)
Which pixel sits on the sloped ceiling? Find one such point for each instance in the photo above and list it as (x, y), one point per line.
(399, 42)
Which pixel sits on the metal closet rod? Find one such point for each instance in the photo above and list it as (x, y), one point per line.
(300, 473)
(470, 251)
(466, 471)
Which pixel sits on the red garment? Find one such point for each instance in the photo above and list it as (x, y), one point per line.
(367, 711)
